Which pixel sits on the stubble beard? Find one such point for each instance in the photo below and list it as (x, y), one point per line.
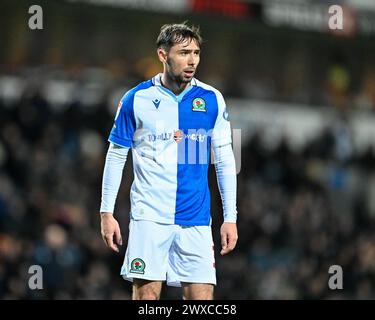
(178, 78)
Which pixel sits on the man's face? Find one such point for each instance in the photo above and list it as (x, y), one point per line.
(182, 61)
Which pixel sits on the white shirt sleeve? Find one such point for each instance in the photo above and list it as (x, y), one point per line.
(112, 175)
(225, 167)
(221, 134)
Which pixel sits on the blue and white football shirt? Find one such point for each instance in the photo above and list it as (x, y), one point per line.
(171, 137)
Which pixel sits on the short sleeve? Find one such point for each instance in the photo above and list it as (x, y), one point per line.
(221, 134)
(124, 127)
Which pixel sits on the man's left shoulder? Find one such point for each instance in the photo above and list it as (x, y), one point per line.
(207, 87)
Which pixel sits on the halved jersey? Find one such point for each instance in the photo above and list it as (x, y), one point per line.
(171, 139)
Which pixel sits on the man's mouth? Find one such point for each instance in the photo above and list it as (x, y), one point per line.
(189, 72)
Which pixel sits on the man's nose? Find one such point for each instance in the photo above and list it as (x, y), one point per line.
(191, 60)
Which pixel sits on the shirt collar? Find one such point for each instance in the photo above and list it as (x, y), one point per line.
(157, 80)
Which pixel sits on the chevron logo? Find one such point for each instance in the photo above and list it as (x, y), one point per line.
(156, 103)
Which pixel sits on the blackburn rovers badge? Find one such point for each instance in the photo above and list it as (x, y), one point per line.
(138, 266)
(199, 105)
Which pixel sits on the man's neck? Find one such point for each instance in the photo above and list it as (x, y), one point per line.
(174, 86)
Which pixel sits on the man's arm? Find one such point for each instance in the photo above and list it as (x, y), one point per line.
(114, 165)
(225, 167)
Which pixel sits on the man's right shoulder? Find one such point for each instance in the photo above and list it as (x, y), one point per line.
(141, 86)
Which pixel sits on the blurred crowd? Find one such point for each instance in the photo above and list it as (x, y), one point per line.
(299, 211)
(243, 60)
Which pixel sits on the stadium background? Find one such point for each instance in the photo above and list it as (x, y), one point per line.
(302, 95)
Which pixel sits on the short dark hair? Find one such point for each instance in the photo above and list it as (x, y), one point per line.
(170, 34)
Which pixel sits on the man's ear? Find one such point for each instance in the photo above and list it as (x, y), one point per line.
(162, 54)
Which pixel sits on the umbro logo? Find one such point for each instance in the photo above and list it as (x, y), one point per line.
(156, 103)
